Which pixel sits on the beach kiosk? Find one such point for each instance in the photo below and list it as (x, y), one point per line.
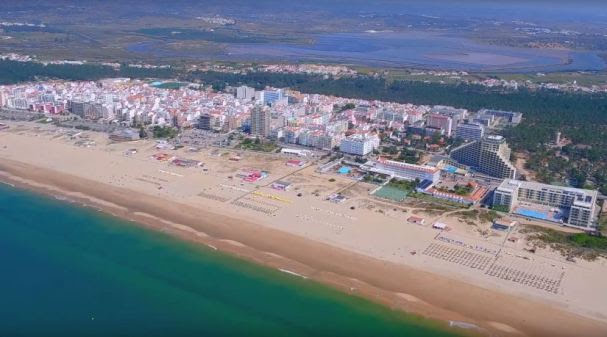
(439, 225)
(503, 225)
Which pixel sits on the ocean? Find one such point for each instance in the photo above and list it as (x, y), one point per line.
(73, 271)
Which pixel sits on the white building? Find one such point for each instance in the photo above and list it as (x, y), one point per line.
(317, 139)
(245, 93)
(456, 115)
(359, 144)
(578, 205)
(403, 170)
(271, 96)
(511, 117)
(297, 152)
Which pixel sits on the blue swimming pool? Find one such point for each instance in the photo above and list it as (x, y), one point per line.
(344, 170)
(450, 169)
(532, 213)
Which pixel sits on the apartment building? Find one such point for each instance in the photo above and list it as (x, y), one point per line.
(245, 93)
(470, 131)
(441, 122)
(578, 206)
(270, 97)
(456, 115)
(511, 117)
(317, 139)
(260, 121)
(359, 144)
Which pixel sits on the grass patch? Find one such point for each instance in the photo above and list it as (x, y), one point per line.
(447, 205)
(477, 215)
(403, 185)
(373, 178)
(458, 189)
(489, 216)
(500, 208)
(258, 145)
(170, 85)
(396, 190)
(164, 132)
(471, 214)
(391, 193)
(463, 189)
(589, 241)
(581, 245)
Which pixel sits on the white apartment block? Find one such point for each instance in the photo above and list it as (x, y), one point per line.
(245, 93)
(579, 205)
(359, 144)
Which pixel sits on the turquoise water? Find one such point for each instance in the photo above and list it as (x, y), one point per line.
(72, 271)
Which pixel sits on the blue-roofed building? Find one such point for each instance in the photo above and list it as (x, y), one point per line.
(470, 131)
(424, 185)
(272, 96)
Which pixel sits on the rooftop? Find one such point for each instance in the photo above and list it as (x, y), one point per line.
(427, 169)
(495, 137)
(511, 184)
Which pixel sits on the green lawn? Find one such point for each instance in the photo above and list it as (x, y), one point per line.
(391, 193)
(258, 145)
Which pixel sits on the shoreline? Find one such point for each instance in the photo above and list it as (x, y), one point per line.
(405, 303)
(399, 287)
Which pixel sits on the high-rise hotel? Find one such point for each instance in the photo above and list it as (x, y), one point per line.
(260, 121)
(490, 156)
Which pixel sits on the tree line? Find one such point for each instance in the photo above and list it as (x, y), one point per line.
(12, 72)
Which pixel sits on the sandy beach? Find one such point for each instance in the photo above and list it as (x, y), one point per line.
(362, 246)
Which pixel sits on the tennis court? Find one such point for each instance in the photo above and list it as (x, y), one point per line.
(391, 193)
